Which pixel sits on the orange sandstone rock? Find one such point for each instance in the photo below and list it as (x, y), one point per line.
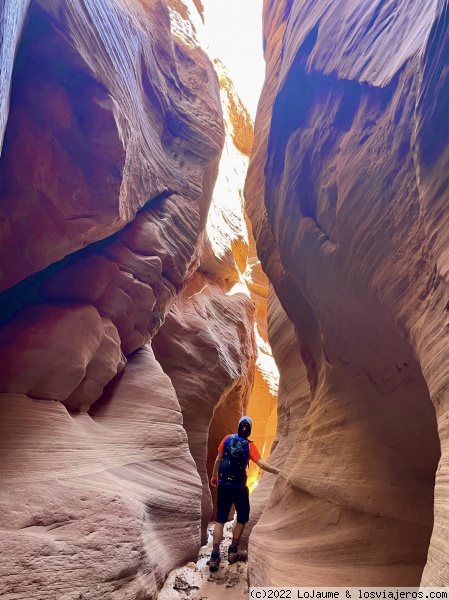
(100, 122)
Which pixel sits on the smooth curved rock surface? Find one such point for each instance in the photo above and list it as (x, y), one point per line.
(346, 191)
(293, 402)
(97, 496)
(57, 352)
(112, 142)
(111, 128)
(207, 348)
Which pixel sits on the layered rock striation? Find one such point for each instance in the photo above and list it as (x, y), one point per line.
(91, 501)
(110, 128)
(113, 131)
(346, 191)
(213, 344)
(293, 402)
(132, 301)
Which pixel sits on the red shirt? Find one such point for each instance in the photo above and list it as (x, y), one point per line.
(253, 451)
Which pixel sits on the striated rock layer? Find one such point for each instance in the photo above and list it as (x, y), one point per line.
(213, 344)
(100, 121)
(112, 136)
(90, 503)
(292, 404)
(347, 194)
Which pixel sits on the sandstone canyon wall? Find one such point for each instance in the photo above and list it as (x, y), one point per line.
(112, 130)
(347, 193)
(213, 344)
(292, 405)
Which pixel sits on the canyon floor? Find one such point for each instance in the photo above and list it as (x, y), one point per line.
(194, 581)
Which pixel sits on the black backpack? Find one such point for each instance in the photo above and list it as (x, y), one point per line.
(235, 460)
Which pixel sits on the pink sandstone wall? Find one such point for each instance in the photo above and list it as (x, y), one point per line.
(113, 132)
(347, 195)
(113, 228)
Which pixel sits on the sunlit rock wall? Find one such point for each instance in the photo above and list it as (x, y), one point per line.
(231, 235)
(292, 405)
(213, 344)
(207, 348)
(347, 193)
(113, 131)
(263, 404)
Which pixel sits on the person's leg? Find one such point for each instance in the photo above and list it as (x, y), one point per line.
(218, 536)
(241, 501)
(214, 559)
(224, 503)
(237, 533)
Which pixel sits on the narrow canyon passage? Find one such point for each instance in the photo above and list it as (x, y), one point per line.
(173, 259)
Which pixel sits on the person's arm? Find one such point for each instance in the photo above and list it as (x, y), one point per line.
(267, 467)
(254, 455)
(214, 478)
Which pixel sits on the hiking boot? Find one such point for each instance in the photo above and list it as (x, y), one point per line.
(214, 561)
(234, 557)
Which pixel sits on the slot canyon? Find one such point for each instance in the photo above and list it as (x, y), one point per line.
(171, 262)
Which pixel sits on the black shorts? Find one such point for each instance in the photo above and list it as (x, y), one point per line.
(226, 497)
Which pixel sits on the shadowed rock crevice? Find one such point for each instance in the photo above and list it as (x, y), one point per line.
(32, 290)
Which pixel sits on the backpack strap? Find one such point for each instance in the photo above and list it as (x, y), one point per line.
(226, 442)
(233, 436)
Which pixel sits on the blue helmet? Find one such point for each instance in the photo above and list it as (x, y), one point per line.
(245, 426)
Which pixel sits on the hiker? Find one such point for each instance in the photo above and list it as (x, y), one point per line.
(234, 453)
